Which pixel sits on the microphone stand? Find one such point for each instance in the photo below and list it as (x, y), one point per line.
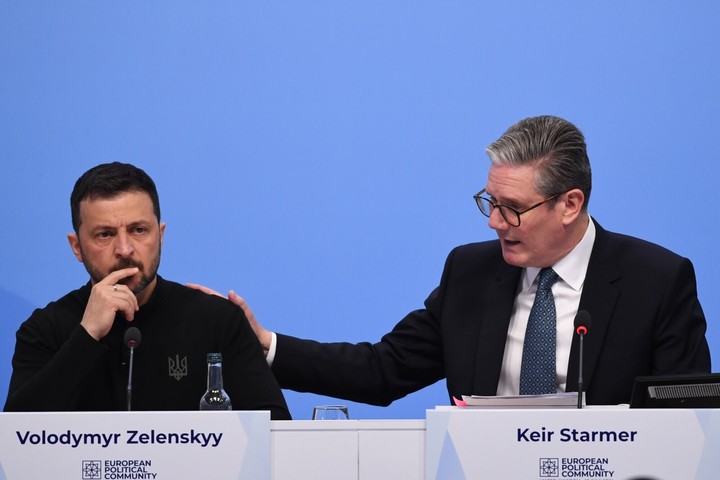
(132, 340)
(580, 369)
(582, 322)
(130, 372)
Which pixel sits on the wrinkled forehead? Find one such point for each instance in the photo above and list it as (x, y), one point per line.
(511, 182)
(125, 207)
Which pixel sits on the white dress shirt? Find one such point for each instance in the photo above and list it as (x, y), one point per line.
(567, 290)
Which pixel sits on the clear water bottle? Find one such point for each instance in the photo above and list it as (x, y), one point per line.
(215, 398)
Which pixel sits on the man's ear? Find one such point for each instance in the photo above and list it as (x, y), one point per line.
(574, 202)
(74, 242)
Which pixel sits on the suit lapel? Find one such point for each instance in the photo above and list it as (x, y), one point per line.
(498, 302)
(598, 299)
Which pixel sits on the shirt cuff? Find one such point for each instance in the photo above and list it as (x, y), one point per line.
(271, 351)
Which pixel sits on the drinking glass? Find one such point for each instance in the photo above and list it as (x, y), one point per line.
(330, 412)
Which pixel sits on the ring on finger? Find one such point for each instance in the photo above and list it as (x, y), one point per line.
(115, 288)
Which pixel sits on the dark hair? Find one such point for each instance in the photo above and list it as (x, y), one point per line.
(108, 180)
(555, 145)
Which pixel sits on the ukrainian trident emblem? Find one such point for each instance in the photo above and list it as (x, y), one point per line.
(177, 367)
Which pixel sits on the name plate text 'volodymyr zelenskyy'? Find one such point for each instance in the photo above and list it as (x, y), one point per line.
(128, 437)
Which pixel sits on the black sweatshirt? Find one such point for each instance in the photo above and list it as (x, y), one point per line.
(58, 366)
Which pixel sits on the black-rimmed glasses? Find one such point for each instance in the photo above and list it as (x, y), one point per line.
(511, 216)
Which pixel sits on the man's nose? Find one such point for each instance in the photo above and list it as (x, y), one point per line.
(496, 221)
(123, 245)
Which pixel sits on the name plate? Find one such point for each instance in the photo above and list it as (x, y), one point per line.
(135, 445)
(606, 443)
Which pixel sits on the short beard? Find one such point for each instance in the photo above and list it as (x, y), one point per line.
(146, 278)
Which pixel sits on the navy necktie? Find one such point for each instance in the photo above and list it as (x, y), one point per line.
(537, 374)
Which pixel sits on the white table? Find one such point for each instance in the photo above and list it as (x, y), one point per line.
(348, 449)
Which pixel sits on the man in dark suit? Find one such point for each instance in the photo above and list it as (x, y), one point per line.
(646, 317)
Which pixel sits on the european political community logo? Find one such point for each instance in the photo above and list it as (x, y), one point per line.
(91, 470)
(549, 467)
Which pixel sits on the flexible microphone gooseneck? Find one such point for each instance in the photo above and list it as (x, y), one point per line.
(132, 341)
(582, 323)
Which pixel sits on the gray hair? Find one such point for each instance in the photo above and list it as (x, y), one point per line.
(555, 146)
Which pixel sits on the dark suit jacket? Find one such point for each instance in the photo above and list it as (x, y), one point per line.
(646, 320)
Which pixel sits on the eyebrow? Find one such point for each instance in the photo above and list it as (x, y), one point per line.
(137, 223)
(506, 202)
(140, 223)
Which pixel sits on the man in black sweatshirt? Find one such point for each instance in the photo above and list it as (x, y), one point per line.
(71, 356)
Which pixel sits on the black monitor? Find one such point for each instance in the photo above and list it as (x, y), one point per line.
(677, 391)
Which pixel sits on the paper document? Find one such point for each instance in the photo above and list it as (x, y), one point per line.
(556, 400)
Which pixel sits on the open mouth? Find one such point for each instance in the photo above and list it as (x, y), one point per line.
(510, 243)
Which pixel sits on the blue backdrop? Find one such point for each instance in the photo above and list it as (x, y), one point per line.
(320, 157)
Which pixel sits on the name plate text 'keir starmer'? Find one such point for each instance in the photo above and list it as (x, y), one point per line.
(612, 443)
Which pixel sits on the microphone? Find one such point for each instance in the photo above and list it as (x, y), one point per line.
(582, 323)
(132, 341)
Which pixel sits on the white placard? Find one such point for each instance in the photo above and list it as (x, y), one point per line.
(135, 445)
(613, 444)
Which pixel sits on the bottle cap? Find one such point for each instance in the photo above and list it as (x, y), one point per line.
(214, 357)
